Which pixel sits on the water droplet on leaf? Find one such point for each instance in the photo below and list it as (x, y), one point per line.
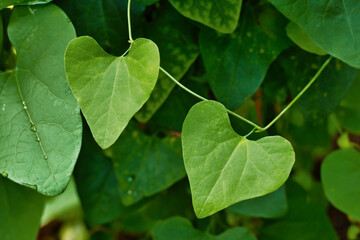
(33, 127)
(38, 139)
(46, 157)
(4, 174)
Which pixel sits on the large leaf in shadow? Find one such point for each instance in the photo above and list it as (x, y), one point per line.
(105, 21)
(97, 184)
(180, 228)
(222, 16)
(304, 221)
(237, 68)
(333, 25)
(323, 96)
(340, 175)
(178, 50)
(40, 131)
(225, 168)
(21, 210)
(272, 205)
(145, 165)
(110, 90)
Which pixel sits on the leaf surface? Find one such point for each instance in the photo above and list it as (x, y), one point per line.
(225, 168)
(333, 25)
(145, 165)
(181, 228)
(6, 3)
(237, 68)
(110, 90)
(20, 208)
(340, 175)
(272, 205)
(174, 35)
(222, 16)
(41, 154)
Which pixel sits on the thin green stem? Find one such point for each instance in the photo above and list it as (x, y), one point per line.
(317, 74)
(257, 128)
(129, 22)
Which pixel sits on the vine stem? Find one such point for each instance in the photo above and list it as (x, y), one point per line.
(129, 22)
(257, 128)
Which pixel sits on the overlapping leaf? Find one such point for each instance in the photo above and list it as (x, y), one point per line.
(272, 205)
(333, 25)
(105, 21)
(20, 208)
(6, 3)
(39, 144)
(181, 228)
(110, 90)
(178, 49)
(237, 68)
(146, 165)
(225, 168)
(340, 175)
(223, 17)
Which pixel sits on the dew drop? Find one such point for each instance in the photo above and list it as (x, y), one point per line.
(68, 20)
(38, 139)
(46, 157)
(3, 107)
(23, 103)
(34, 187)
(4, 174)
(33, 127)
(25, 107)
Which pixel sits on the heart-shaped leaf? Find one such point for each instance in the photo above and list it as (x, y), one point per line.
(110, 90)
(340, 175)
(40, 123)
(225, 168)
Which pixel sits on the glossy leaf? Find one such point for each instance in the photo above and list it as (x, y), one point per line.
(272, 205)
(110, 90)
(237, 68)
(340, 174)
(181, 228)
(41, 155)
(178, 50)
(145, 165)
(333, 25)
(348, 111)
(97, 184)
(225, 168)
(6, 3)
(222, 16)
(298, 36)
(105, 21)
(20, 208)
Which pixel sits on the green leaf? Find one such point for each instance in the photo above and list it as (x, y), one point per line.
(145, 165)
(333, 25)
(39, 80)
(340, 175)
(105, 21)
(160, 207)
(6, 3)
(222, 16)
(21, 210)
(304, 221)
(272, 205)
(97, 184)
(110, 90)
(323, 96)
(180, 228)
(225, 168)
(299, 36)
(178, 49)
(237, 68)
(348, 111)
